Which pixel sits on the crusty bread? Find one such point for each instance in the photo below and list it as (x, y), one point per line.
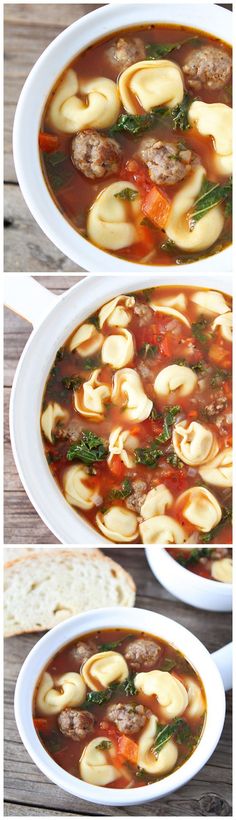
(10, 553)
(50, 585)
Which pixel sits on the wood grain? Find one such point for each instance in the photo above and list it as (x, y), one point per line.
(29, 793)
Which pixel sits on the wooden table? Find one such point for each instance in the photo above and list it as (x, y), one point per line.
(28, 792)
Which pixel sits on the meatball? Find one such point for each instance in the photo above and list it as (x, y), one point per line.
(144, 313)
(135, 501)
(94, 155)
(209, 67)
(76, 724)
(128, 719)
(142, 653)
(166, 163)
(219, 552)
(83, 651)
(125, 52)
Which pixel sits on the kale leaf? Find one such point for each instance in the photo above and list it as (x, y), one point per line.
(211, 194)
(125, 490)
(90, 448)
(127, 193)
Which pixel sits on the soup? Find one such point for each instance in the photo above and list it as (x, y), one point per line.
(132, 145)
(136, 417)
(209, 562)
(119, 709)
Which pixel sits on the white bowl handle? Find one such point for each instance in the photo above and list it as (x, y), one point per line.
(28, 298)
(223, 660)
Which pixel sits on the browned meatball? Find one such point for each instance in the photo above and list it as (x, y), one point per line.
(126, 52)
(142, 653)
(137, 498)
(166, 164)
(94, 155)
(128, 719)
(209, 67)
(81, 652)
(76, 724)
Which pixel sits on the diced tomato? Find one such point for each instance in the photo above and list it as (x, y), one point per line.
(48, 142)
(176, 480)
(43, 725)
(156, 206)
(128, 748)
(219, 355)
(136, 172)
(110, 730)
(117, 467)
(193, 414)
(165, 345)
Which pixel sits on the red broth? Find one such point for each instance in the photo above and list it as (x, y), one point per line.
(74, 193)
(159, 341)
(67, 751)
(200, 560)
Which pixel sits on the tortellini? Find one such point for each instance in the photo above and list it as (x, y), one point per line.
(225, 323)
(117, 313)
(175, 379)
(118, 524)
(219, 471)
(150, 83)
(178, 301)
(194, 443)
(53, 696)
(79, 104)
(87, 340)
(166, 759)
(162, 529)
(178, 227)
(210, 301)
(128, 392)
(170, 692)
(90, 399)
(118, 349)
(200, 508)
(196, 704)
(110, 224)
(104, 668)
(50, 418)
(95, 768)
(156, 502)
(122, 443)
(170, 311)
(222, 570)
(77, 492)
(215, 120)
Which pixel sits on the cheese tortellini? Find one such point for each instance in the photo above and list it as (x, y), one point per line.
(162, 529)
(179, 228)
(128, 392)
(77, 492)
(117, 313)
(104, 668)
(196, 705)
(170, 311)
(122, 443)
(156, 502)
(210, 301)
(110, 224)
(90, 399)
(200, 508)
(118, 524)
(170, 693)
(222, 570)
(177, 301)
(225, 323)
(50, 418)
(150, 83)
(219, 471)
(215, 120)
(194, 443)
(175, 379)
(78, 104)
(94, 765)
(53, 696)
(118, 349)
(87, 340)
(166, 759)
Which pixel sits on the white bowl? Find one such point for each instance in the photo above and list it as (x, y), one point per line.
(157, 625)
(207, 17)
(54, 319)
(185, 585)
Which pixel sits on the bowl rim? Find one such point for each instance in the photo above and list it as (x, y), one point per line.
(27, 119)
(76, 627)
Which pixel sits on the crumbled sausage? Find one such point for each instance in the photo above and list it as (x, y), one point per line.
(75, 723)
(141, 653)
(166, 164)
(209, 67)
(128, 719)
(81, 652)
(135, 501)
(219, 552)
(126, 52)
(215, 407)
(95, 155)
(70, 432)
(144, 313)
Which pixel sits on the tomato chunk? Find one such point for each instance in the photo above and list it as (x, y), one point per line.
(48, 142)
(156, 206)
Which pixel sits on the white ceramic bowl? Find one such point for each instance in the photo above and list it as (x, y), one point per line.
(54, 318)
(207, 17)
(159, 626)
(190, 588)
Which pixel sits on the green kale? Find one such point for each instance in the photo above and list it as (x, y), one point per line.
(104, 744)
(90, 363)
(220, 375)
(197, 367)
(108, 647)
(169, 419)
(156, 51)
(177, 728)
(211, 194)
(226, 518)
(199, 330)
(72, 382)
(90, 448)
(127, 193)
(135, 124)
(167, 665)
(94, 320)
(150, 455)
(97, 698)
(128, 686)
(125, 490)
(175, 461)
(179, 114)
(148, 351)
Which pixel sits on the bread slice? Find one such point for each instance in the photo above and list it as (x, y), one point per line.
(50, 585)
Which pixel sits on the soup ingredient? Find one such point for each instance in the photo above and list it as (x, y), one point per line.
(179, 228)
(124, 492)
(149, 455)
(170, 692)
(166, 163)
(137, 496)
(208, 67)
(155, 51)
(125, 52)
(89, 449)
(82, 651)
(178, 728)
(75, 723)
(151, 84)
(226, 518)
(95, 155)
(211, 194)
(142, 652)
(156, 206)
(128, 193)
(53, 694)
(128, 718)
(48, 142)
(222, 570)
